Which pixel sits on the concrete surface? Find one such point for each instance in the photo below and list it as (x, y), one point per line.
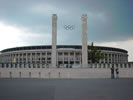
(66, 89)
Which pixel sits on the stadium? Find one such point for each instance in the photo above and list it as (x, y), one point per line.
(67, 56)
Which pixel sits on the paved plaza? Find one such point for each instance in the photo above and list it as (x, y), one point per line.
(66, 89)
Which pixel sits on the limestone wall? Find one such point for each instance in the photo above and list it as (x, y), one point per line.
(101, 71)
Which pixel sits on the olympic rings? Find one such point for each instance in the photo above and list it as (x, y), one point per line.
(69, 27)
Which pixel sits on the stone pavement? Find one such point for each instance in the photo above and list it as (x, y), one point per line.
(66, 89)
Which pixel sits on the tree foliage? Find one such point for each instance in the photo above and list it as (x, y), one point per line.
(94, 55)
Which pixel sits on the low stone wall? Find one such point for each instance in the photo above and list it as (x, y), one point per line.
(62, 72)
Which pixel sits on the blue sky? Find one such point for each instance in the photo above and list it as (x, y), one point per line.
(28, 22)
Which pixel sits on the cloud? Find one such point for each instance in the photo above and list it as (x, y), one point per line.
(112, 19)
(127, 45)
(10, 36)
(13, 36)
(46, 9)
(96, 16)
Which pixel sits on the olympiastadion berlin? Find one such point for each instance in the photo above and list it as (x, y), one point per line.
(59, 56)
(67, 56)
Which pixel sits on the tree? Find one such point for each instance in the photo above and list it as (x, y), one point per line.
(94, 55)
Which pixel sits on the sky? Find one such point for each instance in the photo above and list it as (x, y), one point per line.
(28, 22)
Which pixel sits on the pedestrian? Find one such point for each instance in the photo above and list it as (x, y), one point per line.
(112, 72)
(117, 72)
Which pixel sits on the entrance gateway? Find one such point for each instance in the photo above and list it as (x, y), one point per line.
(84, 41)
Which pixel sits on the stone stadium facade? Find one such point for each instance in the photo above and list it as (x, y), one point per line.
(68, 56)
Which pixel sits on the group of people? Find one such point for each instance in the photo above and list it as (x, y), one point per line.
(113, 71)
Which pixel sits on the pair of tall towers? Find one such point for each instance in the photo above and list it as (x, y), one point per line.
(84, 41)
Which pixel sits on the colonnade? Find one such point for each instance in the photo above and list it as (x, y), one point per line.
(64, 58)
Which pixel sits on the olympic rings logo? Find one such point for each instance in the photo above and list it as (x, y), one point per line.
(69, 27)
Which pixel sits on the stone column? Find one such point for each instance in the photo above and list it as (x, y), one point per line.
(63, 58)
(74, 58)
(22, 58)
(114, 58)
(40, 57)
(111, 57)
(18, 57)
(84, 41)
(104, 59)
(54, 36)
(26, 57)
(68, 59)
(118, 58)
(108, 58)
(57, 60)
(46, 57)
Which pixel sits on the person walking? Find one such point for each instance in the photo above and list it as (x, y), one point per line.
(117, 72)
(112, 72)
